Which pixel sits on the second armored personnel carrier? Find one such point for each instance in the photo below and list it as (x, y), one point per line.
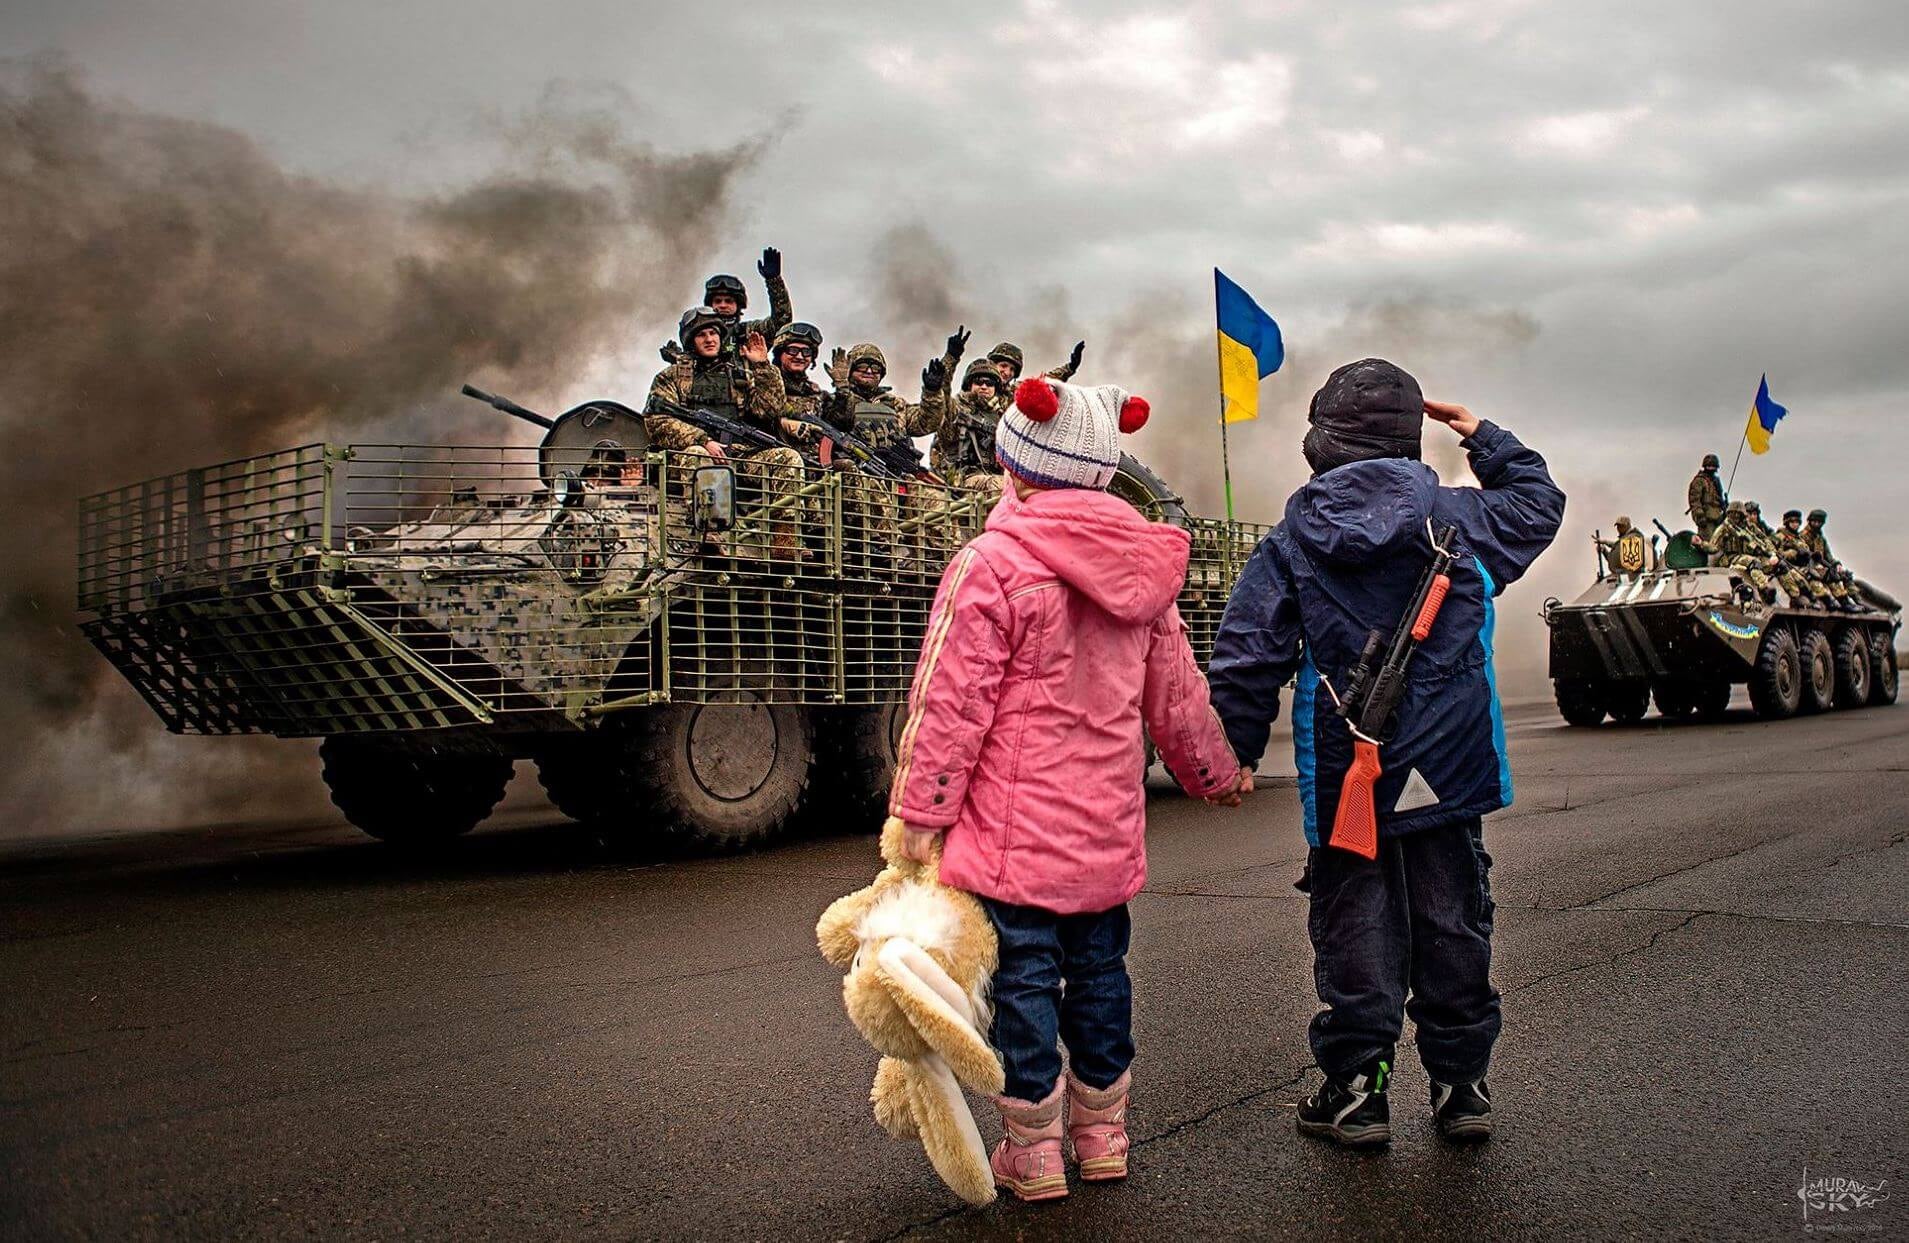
(1682, 635)
(678, 646)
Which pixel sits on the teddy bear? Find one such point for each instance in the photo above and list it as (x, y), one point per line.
(919, 958)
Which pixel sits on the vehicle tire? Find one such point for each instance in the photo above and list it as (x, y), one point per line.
(1627, 701)
(1135, 483)
(1819, 671)
(1882, 667)
(1580, 700)
(856, 751)
(1852, 668)
(1674, 700)
(1712, 699)
(723, 775)
(412, 798)
(1776, 684)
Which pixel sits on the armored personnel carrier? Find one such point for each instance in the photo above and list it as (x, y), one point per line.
(677, 647)
(1682, 634)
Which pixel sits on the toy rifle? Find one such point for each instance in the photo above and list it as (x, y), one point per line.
(1372, 698)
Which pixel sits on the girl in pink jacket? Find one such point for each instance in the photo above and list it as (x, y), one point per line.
(1054, 637)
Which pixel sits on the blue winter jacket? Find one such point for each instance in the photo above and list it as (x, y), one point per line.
(1344, 562)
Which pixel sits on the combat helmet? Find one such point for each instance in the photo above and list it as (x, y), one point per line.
(798, 333)
(1623, 523)
(1819, 515)
(866, 352)
(1792, 513)
(982, 369)
(694, 320)
(1711, 462)
(1010, 352)
(722, 282)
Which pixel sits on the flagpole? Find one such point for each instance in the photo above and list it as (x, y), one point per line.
(1741, 441)
(1226, 465)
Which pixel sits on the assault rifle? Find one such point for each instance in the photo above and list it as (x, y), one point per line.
(720, 428)
(1372, 698)
(899, 460)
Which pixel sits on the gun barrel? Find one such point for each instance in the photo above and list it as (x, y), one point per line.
(508, 406)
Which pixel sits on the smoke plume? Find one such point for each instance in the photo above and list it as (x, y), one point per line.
(174, 296)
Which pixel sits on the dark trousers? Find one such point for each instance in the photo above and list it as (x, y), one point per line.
(1407, 933)
(1062, 977)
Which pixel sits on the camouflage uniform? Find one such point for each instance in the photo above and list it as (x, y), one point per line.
(1706, 500)
(1834, 573)
(749, 392)
(881, 417)
(781, 314)
(868, 502)
(963, 453)
(1794, 554)
(1742, 547)
(1012, 352)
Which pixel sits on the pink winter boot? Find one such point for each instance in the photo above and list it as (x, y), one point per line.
(1097, 1124)
(1027, 1161)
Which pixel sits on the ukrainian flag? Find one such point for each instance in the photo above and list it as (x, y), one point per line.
(1250, 349)
(1764, 415)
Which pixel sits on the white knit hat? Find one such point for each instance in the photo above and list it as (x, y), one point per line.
(1064, 436)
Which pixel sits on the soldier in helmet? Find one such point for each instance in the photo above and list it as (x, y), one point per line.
(1008, 360)
(861, 403)
(729, 298)
(964, 445)
(1629, 553)
(1795, 555)
(1835, 573)
(1706, 497)
(743, 386)
(1737, 546)
(868, 502)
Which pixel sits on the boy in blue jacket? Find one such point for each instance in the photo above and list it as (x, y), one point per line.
(1408, 932)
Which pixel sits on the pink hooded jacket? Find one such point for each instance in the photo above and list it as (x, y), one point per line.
(1053, 637)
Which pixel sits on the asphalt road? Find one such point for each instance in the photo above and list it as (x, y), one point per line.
(279, 1031)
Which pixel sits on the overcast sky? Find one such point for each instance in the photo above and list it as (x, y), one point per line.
(1595, 223)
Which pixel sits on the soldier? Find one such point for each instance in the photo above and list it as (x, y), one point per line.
(1737, 546)
(1706, 498)
(868, 502)
(862, 404)
(745, 387)
(1835, 575)
(1007, 360)
(726, 296)
(1790, 547)
(1629, 553)
(964, 447)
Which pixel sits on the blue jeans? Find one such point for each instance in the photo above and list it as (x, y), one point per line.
(1062, 977)
(1407, 933)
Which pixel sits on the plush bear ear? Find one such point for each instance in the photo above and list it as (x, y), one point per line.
(1133, 414)
(1037, 399)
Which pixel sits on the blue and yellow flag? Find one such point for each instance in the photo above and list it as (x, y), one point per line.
(1250, 349)
(1764, 414)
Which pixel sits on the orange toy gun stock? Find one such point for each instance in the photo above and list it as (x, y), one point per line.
(1372, 699)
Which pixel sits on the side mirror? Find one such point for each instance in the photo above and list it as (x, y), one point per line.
(715, 499)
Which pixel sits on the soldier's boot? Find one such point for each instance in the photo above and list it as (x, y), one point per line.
(1027, 1161)
(1097, 1127)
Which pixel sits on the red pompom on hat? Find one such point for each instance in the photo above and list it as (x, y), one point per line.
(1037, 399)
(1133, 414)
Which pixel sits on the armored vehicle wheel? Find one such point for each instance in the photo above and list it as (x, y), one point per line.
(1819, 671)
(1580, 700)
(1627, 701)
(725, 775)
(412, 798)
(1882, 667)
(1674, 699)
(1135, 483)
(1712, 699)
(1776, 684)
(1852, 667)
(856, 750)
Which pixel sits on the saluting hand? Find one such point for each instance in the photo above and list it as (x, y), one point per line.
(1452, 415)
(755, 349)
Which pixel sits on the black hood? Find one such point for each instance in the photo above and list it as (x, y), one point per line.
(1368, 409)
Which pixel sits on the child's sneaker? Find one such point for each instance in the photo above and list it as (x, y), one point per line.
(1027, 1161)
(1097, 1125)
(1462, 1110)
(1351, 1111)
